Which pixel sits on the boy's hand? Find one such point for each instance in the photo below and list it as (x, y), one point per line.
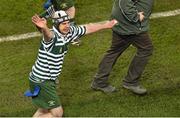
(39, 22)
(111, 23)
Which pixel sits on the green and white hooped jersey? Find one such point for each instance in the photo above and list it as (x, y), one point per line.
(51, 55)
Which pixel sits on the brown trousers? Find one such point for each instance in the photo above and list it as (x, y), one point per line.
(119, 44)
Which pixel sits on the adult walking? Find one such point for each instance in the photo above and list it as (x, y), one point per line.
(133, 17)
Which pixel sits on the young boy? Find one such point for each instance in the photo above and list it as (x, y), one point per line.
(48, 65)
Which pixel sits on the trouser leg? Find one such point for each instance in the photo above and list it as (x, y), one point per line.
(117, 47)
(144, 50)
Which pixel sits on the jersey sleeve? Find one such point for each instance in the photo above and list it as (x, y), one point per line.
(76, 32)
(49, 44)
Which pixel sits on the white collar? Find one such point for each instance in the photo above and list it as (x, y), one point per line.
(57, 31)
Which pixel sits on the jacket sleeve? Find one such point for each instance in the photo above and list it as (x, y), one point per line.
(129, 10)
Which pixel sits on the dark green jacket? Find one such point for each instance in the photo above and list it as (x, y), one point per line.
(126, 12)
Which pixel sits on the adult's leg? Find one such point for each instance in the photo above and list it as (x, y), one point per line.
(119, 44)
(144, 50)
(71, 12)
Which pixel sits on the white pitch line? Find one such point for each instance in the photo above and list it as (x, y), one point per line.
(165, 14)
(19, 37)
(36, 34)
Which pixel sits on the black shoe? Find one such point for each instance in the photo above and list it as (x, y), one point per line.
(106, 89)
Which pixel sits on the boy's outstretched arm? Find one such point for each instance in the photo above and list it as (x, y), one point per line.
(94, 27)
(41, 23)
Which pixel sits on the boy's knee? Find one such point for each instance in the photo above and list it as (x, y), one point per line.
(57, 112)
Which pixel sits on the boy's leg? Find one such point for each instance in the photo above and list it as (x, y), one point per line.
(42, 113)
(47, 100)
(57, 112)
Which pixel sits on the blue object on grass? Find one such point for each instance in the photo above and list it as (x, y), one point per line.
(28, 93)
(47, 4)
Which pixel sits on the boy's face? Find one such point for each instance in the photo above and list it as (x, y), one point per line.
(64, 27)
